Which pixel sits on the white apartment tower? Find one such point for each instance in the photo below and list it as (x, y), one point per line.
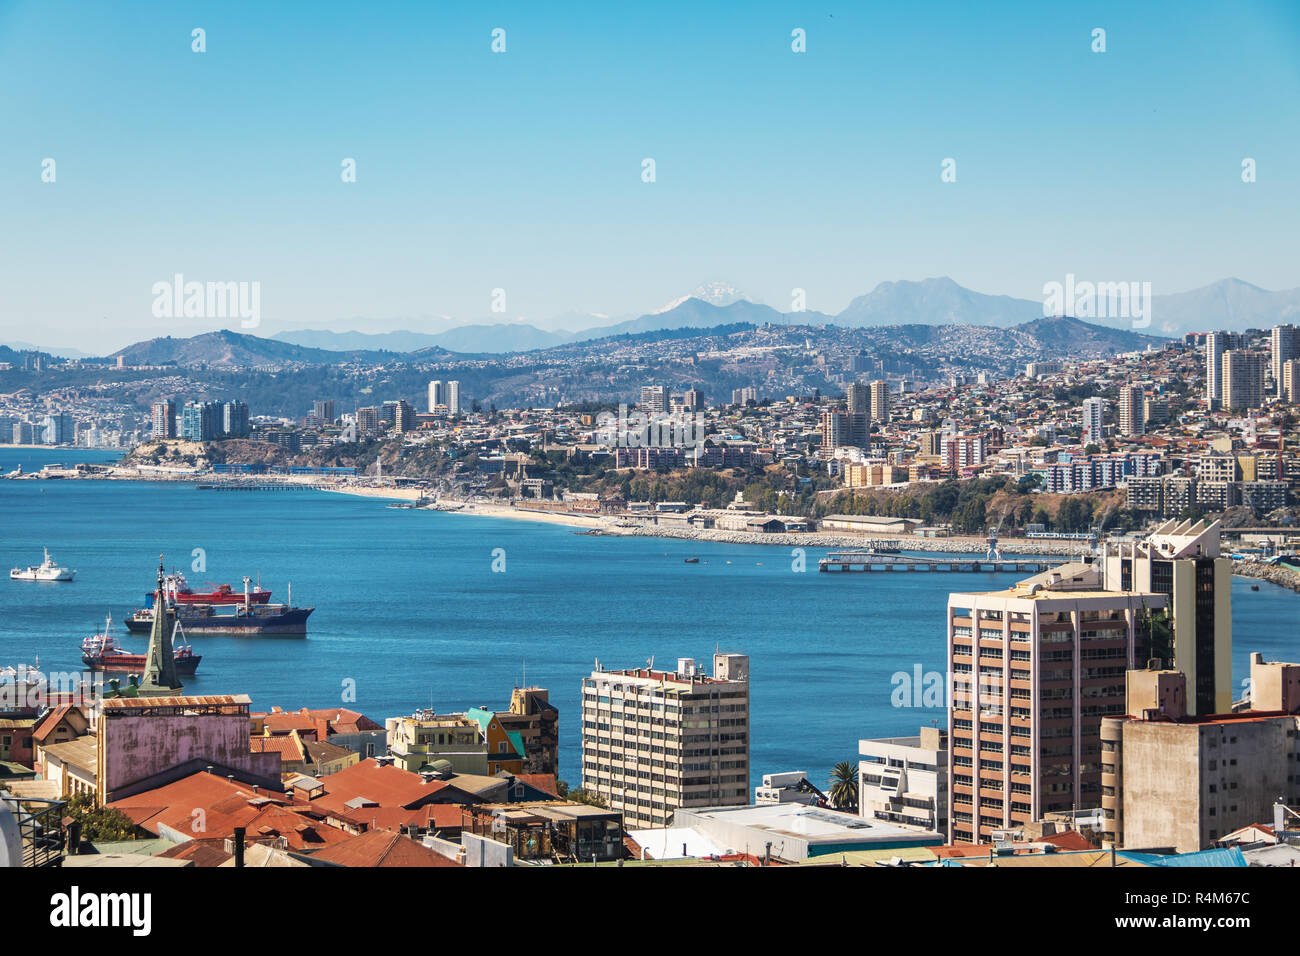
(1285, 345)
(1094, 416)
(654, 741)
(1216, 343)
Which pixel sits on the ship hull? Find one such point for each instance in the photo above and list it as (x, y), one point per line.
(291, 622)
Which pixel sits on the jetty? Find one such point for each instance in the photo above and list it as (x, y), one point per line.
(844, 561)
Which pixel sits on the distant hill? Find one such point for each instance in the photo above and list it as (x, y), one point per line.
(1070, 336)
(227, 348)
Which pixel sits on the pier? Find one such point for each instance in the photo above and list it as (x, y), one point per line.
(260, 486)
(859, 561)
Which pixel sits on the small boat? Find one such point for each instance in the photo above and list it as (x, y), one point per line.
(47, 570)
(692, 560)
(102, 652)
(1254, 587)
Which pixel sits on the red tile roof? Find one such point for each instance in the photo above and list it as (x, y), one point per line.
(544, 782)
(387, 785)
(46, 726)
(382, 848)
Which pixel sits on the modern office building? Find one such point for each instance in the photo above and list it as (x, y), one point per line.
(1243, 379)
(1181, 562)
(1284, 345)
(1094, 419)
(655, 741)
(323, 409)
(164, 419)
(904, 780)
(1034, 669)
(1132, 411)
(1176, 781)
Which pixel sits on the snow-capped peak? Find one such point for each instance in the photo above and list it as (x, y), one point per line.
(714, 293)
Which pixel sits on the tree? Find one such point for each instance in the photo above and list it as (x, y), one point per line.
(844, 786)
(99, 823)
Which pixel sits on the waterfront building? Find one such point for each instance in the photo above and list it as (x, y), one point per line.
(1243, 379)
(234, 420)
(164, 419)
(657, 741)
(1034, 668)
(60, 429)
(1175, 780)
(200, 421)
(1182, 563)
(904, 780)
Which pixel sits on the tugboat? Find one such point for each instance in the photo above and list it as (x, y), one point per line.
(102, 652)
(47, 570)
(179, 592)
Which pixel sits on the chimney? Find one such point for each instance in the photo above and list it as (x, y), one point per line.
(239, 846)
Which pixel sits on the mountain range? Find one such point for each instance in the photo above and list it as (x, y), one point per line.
(1229, 304)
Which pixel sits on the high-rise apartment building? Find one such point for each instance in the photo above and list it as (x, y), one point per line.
(437, 396)
(1132, 411)
(367, 422)
(201, 421)
(164, 419)
(60, 429)
(1284, 346)
(1181, 562)
(323, 409)
(1216, 343)
(234, 420)
(1094, 418)
(1034, 669)
(453, 398)
(656, 741)
(743, 396)
(879, 405)
(654, 399)
(857, 398)
(960, 451)
(1242, 379)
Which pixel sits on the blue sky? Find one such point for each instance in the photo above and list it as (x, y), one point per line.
(522, 170)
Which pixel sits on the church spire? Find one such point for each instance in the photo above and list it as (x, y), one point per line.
(159, 678)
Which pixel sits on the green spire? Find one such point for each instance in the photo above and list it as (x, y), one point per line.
(159, 678)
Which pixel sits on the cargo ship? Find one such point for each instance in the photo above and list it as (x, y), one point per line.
(102, 652)
(180, 592)
(246, 619)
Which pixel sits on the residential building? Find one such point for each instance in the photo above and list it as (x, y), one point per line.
(1181, 562)
(1243, 379)
(1094, 419)
(1034, 669)
(1284, 345)
(904, 780)
(879, 410)
(654, 399)
(234, 420)
(1216, 344)
(164, 419)
(1177, 781)
(657, 741)
(1132, 411)
(323, 409)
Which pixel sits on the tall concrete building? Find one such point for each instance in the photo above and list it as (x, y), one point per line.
(654, 399)
(234, 420)
(1284, 345)
(1035, 668)
(1243, 379)
(1094, 418)
(905, 780)
(323, 408)
(1132, 411)
(164, 419)
(655, 741)
(857, 398)
(367, 422)
(453, 398)
(1216, 343)
(437, 396)
(1172, 780)
(1181, 561)
(879, 409)
(1290, 388)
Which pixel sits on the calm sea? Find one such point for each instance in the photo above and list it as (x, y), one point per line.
(410, 614)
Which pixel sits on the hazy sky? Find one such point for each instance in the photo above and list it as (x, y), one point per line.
(522, 170)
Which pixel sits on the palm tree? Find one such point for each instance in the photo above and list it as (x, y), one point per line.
(844, 786)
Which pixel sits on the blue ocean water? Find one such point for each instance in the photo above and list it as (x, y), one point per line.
(411, 615)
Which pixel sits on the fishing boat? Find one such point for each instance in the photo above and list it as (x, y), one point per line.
(102, 652)
(47, 570)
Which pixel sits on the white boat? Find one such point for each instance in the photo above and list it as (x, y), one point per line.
(48, 570)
